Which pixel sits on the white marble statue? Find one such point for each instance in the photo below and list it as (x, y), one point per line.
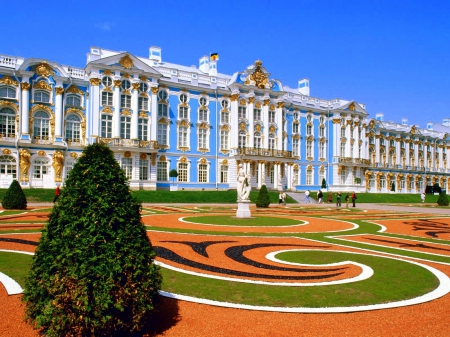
(243, 184)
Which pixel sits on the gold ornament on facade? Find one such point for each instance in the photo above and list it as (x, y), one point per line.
(24, 156)
(127, 154)
(126, 92)
(126, 75)
(107, 110)
(242, 101)
(6, 151)
(43, 69)
(73, 89)
(234, 97)
(42, 153)
(351, 107)
(6, 80)
(126, 61)
(107, 72)
(183, 160)
(143, 94)
(143, 78)
(25, 86)
(203, 161)
(10, 105)
(242, 126)
(59, 90)
(258, 105)
(251, 99)
(154, 90)
(74, 155)
(225, 128)
(272, 129)
(58, 164)
(257, 128)
(413, 129)
(95, 81)
(266, 102)
(336, 121)
(143, 156)
(117, 83)
(258, 77)
(225, 162)
(42, 85)
(143, 114)
(107, 89)
(135, 86)
(280, 105)
(125, 112)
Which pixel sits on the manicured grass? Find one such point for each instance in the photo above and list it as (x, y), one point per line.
(393, 280)
(15, 266)
(252, 222)
(384, 198)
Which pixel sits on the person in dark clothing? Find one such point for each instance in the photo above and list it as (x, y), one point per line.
(56, 194)
(354, 198)
(338, 199)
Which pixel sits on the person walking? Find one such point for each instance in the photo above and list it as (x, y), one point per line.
(307, 199)
(280, 198)
(338, 199)
(56, 194)
(354, 199)
(422, 196)
(347, 199)
(283, 198)
(330, 198)
(320, 197)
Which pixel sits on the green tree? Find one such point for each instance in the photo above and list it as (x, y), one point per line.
(14, 197)
(324, 183)
(93, 272)
(173, 174)
(263, 199)
(443, 200)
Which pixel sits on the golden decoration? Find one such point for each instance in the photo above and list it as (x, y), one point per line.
(143, 156)
(107, 89)
(107, 110)
(143, 114)
(126, 61)
(203, 161)
(117, 83)
(184, 123)
(280, 105)
(24, 155)
(351, 107)
(242, 126)
(59, 90)
(143, 78)
(143, 94)
(126, 92)
(251, 100)
(271, 107)
(225, 128)
(126, 75)
(258, 77)
(234, 97)
(42, 153)
(42, 85)
(43, 69)
(107, 72)
(266, 102)
(75, 90)
(258, 128)
(10, 105)
(6, 151)
(225, 162)
(95, 81)
(413, 130)
(135, 86)
(154, 90)
(203, 126)
(127, 154)
(126, 112)
(25, 86)
(272, 129)
(74, 155)
(58, 164)
(6, 80)
(162, 158)
(243, 101)
(183, 160)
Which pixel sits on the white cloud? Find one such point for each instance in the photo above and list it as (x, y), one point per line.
(105, 26)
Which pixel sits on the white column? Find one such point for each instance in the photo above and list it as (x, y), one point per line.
(377, 150)
(25, 86)
(154, 115)
(416, 155)
(94, 103)
(58, 112)
(116, 116)
(275, 175)
(289, 175)
(259, 174)
(251, 122)
(234, 121)
(407, 153)
(263, 173)
(265, 114)
(279, 121)
(135, 107)
(441, 160)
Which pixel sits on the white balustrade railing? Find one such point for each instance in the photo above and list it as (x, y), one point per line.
(8, 61)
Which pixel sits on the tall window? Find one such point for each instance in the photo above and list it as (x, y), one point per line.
(143, 103)
(183, 172)
(162, 133)
(7, 122)
(321, 132)
(125, 127)
(143, 169)
(257, 114)
(41, 125)
(224, 173)
(182, 136)
(272, 116)
(143, 128)
(224, 117)
(271, 141)
(309, 177)
(41, 96)
(342, 149)
(7, 92)
(272, 175)
(203, 115)
(183, 112)
(107, 98)
(125, 84)
(257, 140)
(125, 101)
(295, 128)
(161, 171)
(242, 139)
(8, 166)
(40, 168)
(73, 100)
(202, 138)
(342, 132)
(242, 112)
(382, 182)
(73, 128)
(321, 150)
(106, 126)
(321, 176)
(224, 140)
(343, 176)
(202, 173)
(308, 148)
(127, 166)
(295, 147)
(162, 105)
(309, 130)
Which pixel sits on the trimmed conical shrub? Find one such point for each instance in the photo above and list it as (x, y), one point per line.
(93, 272)
(263, 199)
(443, 200)
(14, 197)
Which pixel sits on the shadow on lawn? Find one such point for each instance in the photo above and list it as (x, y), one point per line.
(162, 318)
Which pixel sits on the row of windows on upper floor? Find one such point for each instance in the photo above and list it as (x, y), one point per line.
(41, 96)
(403, 145)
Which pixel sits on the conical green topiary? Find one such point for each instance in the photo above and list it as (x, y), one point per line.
(263, 199)
(14, 197)
(93, 272)
(443, 200)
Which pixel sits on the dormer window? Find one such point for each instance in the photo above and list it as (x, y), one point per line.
(8, 92)
(73, 100)
(41, 96)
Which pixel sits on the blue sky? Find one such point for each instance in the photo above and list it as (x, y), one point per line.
(391, 55)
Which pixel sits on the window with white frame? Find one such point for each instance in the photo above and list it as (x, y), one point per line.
(182, 136)
(73, 100)
(272, 115)
(73, 128)
(143, 128)
(272, 174)
(242, 139)
(202, 173)
(382, 182)
(183, 98)
(309, 149)
(372, 182)
(402, 183)
(342, 132)
(7, 122)
(7, 92)
(295, 128)
(182, 172)
(106, 126)
(309, 130)
(322, 150)
(203, 115)
(224, 117)
(343, 176)
(202, 138)
(295, 147)
(257, 114)
(143, 169)
(161, 171)
(321, 132)
(125, 85)
(125, 127)
(68, 167)
(224, 173)
(162, 134)
(143, 87)
(359, 151)
(41, 96)
(242, 112)
(309, 177)
(127, 166)
(321, 176)
(224, 104)
(125, 101)
(257, 140)
(342, 149)
(107, 81)
(162, 105)
(271, 141)
(41, 125)
(224, 140)
(203, 101)
(107, 98)
(8, 166)
(143, 103)
(41, 167)
(183, 112)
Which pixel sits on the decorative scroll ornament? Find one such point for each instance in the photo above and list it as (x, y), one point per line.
(203, 161)
(95, 81)
(12, 105)
(234, 97)
(154, 90)
(127, 154)
(25, 86)
(42, 85)
(258, 77)
(183, 160)
(43, 69)
(143, 156)
(352, 107)
(135, 86)
(126, 61)
(8, 81)
(75, 90)
(107, 72)
(73, 155)
(6, 151)
(58, 164)
(59, 90)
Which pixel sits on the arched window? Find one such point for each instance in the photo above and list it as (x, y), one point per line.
(183, 172)
(309, 177)
(224, 140)
(257, 140)
(41, 96)
(162, 104)
(8, 166)
(202, 173)
(41, 125)
(127, 166)
(162, 133)
(8, 92)
(7, 122)
(73, 128)
(224, 173)
(295, 147)
(242, 112)
(182, 136)
(202, 138)
(272, 115)
(242, 139)
(308, 149)
(73, 100)
(342, 149)
(271, 141)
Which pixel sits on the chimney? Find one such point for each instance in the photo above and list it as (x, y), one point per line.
(446, 122)
(203, 64)
(303, 86)
(213, 68)
(155, 54)
(430, 126)
(379, 116)
(405, 121)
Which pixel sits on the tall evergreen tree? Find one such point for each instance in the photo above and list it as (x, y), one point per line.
(263, 199)
(14, 197)
(93, 271)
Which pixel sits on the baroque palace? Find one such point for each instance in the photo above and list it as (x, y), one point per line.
(158, 116)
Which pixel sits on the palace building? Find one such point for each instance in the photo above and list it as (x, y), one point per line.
(158, 116)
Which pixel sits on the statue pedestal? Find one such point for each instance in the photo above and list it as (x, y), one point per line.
(243, 210)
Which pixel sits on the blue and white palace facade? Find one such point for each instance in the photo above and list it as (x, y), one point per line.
(158, 116)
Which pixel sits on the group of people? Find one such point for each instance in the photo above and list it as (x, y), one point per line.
(282, 198)
(348, 198)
